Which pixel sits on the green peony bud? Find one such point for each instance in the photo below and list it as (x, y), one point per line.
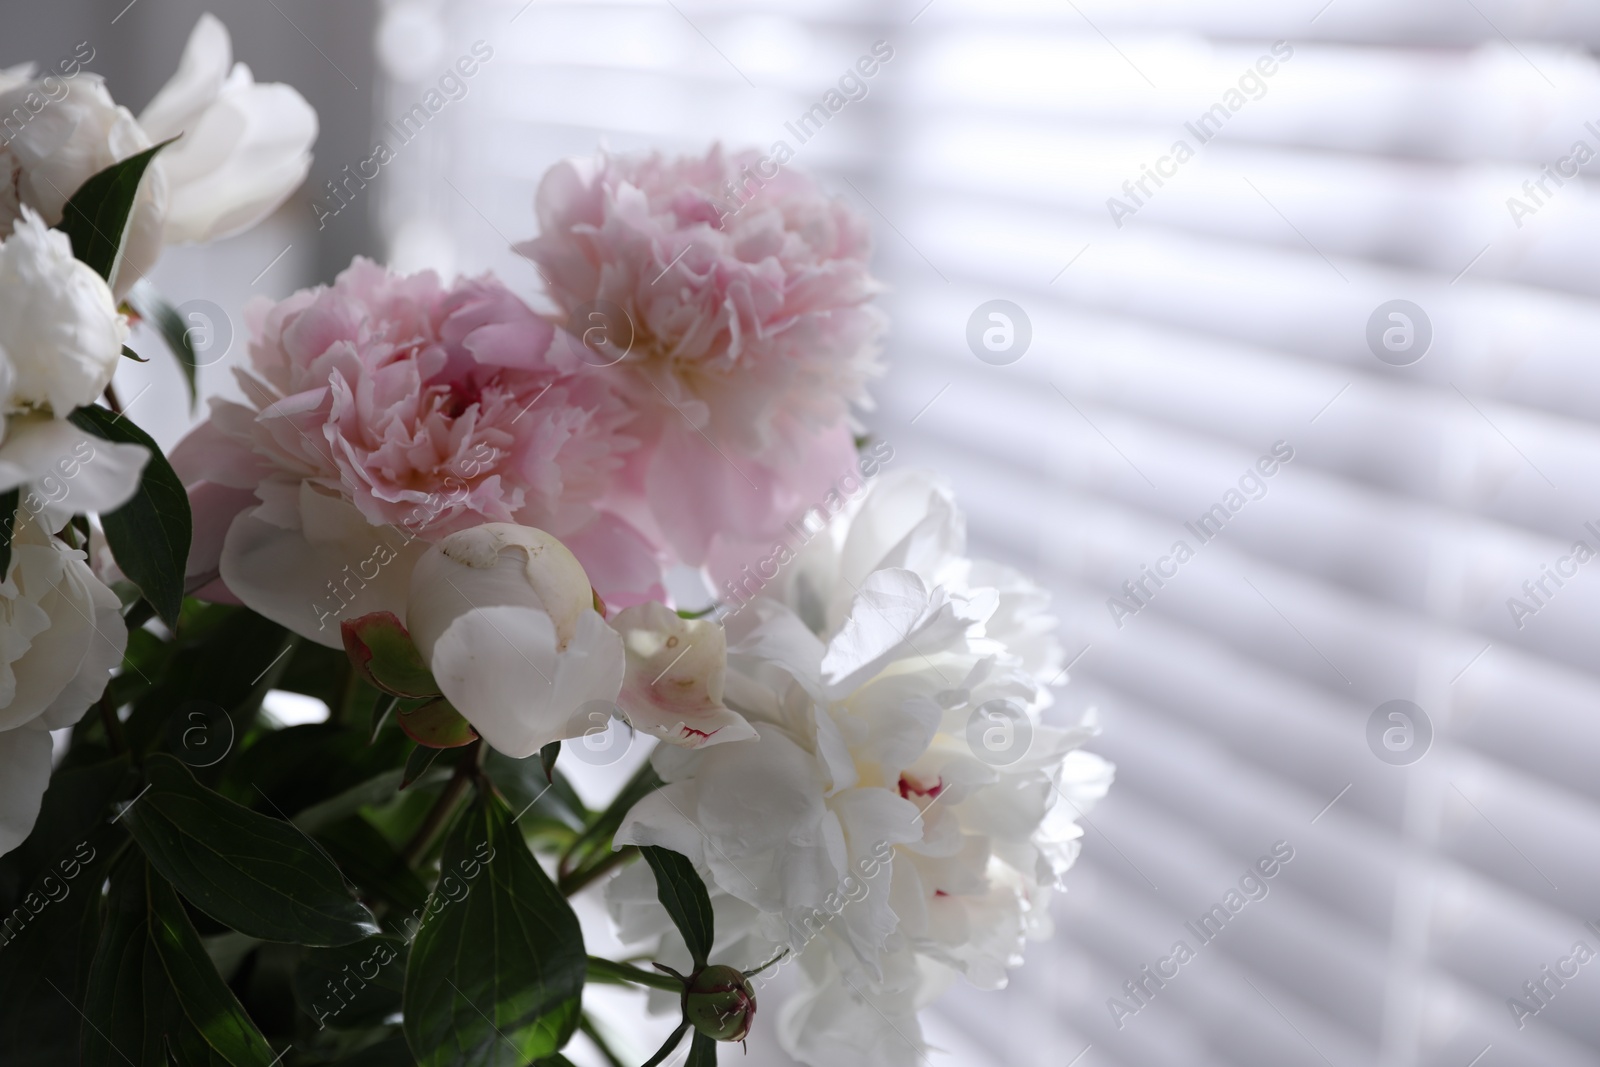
(720, 1003)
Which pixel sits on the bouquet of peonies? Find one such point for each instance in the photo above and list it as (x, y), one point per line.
(451, 517)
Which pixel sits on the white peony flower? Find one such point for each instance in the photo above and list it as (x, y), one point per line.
(244, 149)
(504, 615)
(61, 633)
(63, 144)
(673, 686)
(842, 1022)
(60, 333)
(904, 812)
(60, 340)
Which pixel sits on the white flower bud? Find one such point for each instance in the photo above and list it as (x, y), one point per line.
(505, 618)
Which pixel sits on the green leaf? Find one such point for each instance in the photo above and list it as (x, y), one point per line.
(96, 216)
(547, 759)
(496, 975)
(674, 1039)
(315, 772)
(703, 1053)
(417, 764)
(260, 876)
(436, 724)
(684, 896)
(535, 795)
(128, 993)
(353, 987)
(208, 1006)
(128, 353)
(382, 650)
(154, 996)
(150, 534)
(224, 656)
(390, 1052)
(155, 310)
(44, 965)
(376, 866)
(378, 789)
(8, 525)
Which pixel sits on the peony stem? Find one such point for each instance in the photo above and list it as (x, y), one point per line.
(612, 973)
(583, 876)
(468, 769)
(113, 725)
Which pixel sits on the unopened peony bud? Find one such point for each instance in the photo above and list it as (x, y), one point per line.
(721, 1003)
(504, 617)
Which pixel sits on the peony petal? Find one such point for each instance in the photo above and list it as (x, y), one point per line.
(893, 615)
(499, 667)
(107, 641)
(673, 685)
(214, 508)
(245, 156)
(194, 87)
(209, 454)
(54, 653)
(623, 567)
(71, 470)
(337, 566)
(24, 776)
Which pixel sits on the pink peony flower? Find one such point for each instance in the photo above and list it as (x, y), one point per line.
(395, 402)
(747, 330)
(431, 408)
(746, 295)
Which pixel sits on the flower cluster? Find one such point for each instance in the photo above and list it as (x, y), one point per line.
(447, 459)
(479, 500)
(879, 827)
(241, 148)
(387, 413)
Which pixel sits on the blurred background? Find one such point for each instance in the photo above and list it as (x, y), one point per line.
(1373, 261)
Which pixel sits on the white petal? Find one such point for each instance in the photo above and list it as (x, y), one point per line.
(69, 470)
(335, 566)
(659, 819)
(769, 634)
(194, 87)
(59, 327)
(894, 615)
(500, 668)
(770, 839)
(841, 1023)
(675, 673)
(51, 656)
(493, 565)
(244, 157)
(108, 639)
(24, 776)
(244, 147)
(909, 520)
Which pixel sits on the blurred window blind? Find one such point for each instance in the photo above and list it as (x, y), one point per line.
(1228, 312)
